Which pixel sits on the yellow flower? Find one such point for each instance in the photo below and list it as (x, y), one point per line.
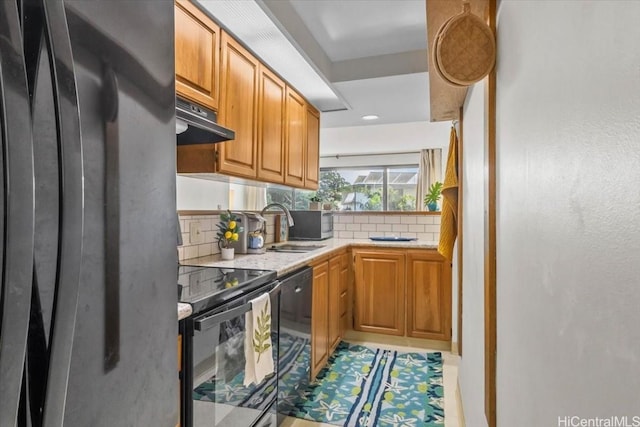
(232, 225)
(235, 237)
(228, 235)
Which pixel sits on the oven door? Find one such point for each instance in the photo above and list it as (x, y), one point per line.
(216, 365)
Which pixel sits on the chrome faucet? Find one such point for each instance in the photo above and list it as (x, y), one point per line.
(283, 208)
(286, 212)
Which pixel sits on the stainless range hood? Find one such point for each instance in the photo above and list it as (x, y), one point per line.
(197, 125)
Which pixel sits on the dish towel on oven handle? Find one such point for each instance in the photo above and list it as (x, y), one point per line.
(258, 349)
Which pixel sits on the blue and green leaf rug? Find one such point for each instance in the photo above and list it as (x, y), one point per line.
(370, 387)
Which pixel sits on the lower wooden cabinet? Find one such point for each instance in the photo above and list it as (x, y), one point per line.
(428, 296)
(402, 292)
(329, 311)
(320, 318)
(345, 305)
(379, 291)
(334, 303)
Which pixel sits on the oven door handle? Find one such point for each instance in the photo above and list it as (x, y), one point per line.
(209, 321)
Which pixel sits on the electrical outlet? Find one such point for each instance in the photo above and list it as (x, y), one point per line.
(195, 233)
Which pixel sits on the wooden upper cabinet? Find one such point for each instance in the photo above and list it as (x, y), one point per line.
(271, 127)
(379, 299)
(428, 295)
(313, 149)
(295, 140)
(197, 46)
(238, 109)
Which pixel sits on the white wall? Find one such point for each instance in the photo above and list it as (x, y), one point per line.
(399, 137)
(568, 211)
(471, 369)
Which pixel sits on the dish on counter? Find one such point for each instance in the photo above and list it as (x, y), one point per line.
(392, 239)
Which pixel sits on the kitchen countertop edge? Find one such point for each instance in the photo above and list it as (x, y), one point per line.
(285, 262)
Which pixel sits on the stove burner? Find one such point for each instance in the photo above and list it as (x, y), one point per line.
(207, 287)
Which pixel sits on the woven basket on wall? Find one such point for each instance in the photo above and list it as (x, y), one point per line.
(464, 49)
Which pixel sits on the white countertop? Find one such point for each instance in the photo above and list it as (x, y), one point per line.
(284, 262)
(184, 310)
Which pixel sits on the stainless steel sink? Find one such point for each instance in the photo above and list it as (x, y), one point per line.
(294, 248)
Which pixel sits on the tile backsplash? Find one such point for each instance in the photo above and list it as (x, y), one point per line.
(346, 226)
(423, 227)
(207, 243)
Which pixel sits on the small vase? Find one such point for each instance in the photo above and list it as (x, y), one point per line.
(433, 206)
(227, 253)
(314, 206)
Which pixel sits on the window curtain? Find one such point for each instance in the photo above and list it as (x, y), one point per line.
(429, 171)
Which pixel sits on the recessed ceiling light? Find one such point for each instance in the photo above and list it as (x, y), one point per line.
(370, 117)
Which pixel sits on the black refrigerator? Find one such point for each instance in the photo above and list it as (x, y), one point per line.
(88, 321)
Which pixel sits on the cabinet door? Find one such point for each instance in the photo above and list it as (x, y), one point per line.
(197, 55)
(345, 278)
(319, 318)
(238, 109)
(379, 291)
(312, 169)
(428, 295)
(295, 139)
(271, 113)
(334, 303)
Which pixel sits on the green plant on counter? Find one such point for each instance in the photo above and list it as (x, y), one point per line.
(228, 230)
(433, 195)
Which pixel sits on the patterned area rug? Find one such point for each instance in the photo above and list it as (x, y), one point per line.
(363, 386)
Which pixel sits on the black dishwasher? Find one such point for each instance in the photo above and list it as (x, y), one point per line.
(294, 341)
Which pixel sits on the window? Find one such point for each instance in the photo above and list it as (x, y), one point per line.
(380, 188)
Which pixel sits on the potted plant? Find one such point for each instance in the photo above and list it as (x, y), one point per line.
(432, 197)
(315, 203)
(228, 230)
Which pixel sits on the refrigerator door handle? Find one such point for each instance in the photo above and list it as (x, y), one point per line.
(112, 218)
(72, 209)
(17, 193)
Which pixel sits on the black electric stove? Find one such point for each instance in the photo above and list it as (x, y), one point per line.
(208, 287)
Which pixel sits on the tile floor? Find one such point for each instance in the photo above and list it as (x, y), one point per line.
(450, 373)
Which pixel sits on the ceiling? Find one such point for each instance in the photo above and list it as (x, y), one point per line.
(348, 58)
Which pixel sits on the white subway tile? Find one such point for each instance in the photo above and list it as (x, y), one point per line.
(376, 219)
(368, 227)
(345, 234)
(353, 227)
(436, 219)
(383, 227)
(190, 252)
(344, 219)
(416, 228)
(339, 227)
(408, 219)
(361, 219)
(432, 228)
(360, 235)
(399, 228)
(425, 219)
(391, 234)
(204, 250)
(205, 224)
(209, 236)
(392, 219)
(426, 236)
(436, 237)
(410, 235)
